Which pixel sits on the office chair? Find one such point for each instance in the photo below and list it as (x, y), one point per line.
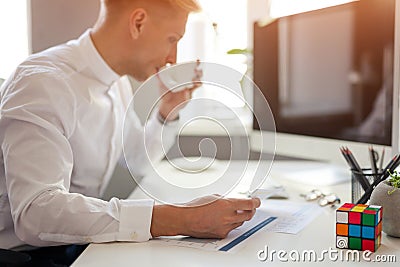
(9, 258)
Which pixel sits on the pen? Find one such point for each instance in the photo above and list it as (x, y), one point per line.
(381, 159)
(392, 165)
(372, 159)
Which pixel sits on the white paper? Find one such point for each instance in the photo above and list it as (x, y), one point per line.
(292, 216)
(234, 239)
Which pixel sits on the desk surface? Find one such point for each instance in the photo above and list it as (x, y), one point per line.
(318, 236)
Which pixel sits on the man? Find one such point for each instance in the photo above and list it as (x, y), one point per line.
(60, 133)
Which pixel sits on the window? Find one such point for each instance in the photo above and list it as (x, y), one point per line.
(220, 27)
(14, 32)
(281, 8)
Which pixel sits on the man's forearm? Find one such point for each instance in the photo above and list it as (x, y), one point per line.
(166, 221)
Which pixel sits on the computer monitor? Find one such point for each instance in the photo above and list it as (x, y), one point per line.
(331, 78)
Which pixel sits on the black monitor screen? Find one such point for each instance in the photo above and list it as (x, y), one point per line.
(329, 72)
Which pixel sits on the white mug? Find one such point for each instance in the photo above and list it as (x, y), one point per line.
(180, 76)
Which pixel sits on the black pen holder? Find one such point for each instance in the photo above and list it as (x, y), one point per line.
(357, 190)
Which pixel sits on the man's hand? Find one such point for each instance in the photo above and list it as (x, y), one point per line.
(172, 102)
(212, 220)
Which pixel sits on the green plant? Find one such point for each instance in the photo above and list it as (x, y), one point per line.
(238, 51)
(394, 181)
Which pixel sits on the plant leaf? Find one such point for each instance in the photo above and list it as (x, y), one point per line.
(238, 51)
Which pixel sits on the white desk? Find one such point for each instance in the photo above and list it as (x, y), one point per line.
(317, 236)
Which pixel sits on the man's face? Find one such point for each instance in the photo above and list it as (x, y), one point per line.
(157, 44)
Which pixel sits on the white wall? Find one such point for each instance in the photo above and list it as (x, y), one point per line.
(57, 21)
(257, 10)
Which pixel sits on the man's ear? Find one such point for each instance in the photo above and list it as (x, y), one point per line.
(137, 22)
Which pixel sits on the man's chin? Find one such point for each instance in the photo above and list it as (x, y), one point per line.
(144, 76)
(140, 78)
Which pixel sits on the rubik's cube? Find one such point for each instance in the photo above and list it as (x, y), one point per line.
(358, 227)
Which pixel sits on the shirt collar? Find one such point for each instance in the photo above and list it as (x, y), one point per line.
(101, 70)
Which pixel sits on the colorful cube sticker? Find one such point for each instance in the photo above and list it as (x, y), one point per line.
(358, 227)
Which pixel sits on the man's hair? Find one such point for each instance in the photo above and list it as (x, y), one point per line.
(186, 5)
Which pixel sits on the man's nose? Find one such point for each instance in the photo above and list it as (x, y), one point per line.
(171, 58)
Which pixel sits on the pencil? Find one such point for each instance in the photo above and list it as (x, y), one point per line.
(356, 167)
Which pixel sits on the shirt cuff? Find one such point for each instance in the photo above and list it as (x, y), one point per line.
(135, 220)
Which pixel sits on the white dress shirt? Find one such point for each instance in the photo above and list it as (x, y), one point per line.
(61, 123)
